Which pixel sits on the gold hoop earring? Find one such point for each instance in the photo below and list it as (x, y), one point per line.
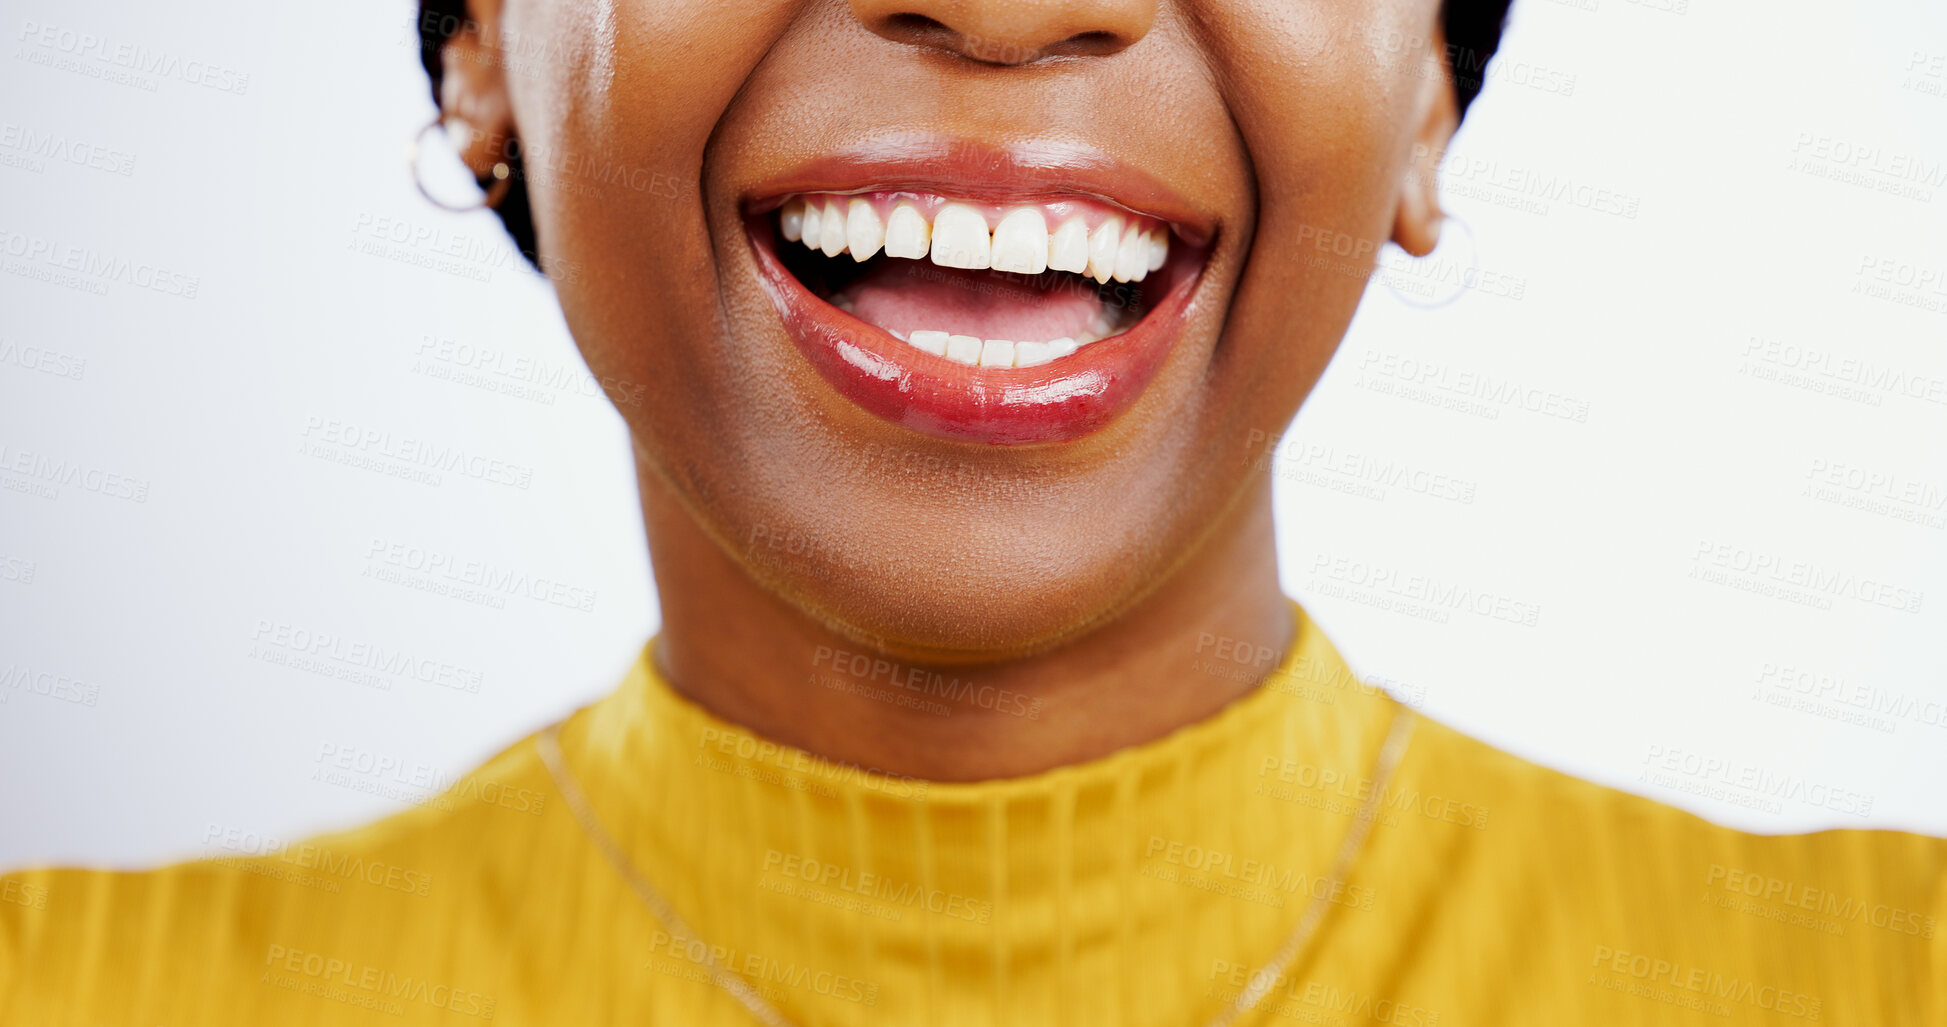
(494, 185)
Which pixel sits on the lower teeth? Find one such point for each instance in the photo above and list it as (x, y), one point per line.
(974, 351)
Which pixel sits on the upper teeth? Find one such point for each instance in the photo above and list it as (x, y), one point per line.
(959, 236)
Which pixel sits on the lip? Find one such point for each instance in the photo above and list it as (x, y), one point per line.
(1055, 402)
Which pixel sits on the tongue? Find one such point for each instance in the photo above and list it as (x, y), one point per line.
(910, 295)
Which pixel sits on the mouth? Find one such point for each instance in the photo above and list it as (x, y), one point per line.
(1000, 300)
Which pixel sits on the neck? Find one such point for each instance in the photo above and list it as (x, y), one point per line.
(1202, 638)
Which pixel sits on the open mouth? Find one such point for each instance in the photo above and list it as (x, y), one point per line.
(978, 284)
(1005, 320)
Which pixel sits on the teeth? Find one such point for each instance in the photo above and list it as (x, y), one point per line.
(1102, 249)
(831, 229)
(790, 221)
(931, 342)
(1068, 247)
(960, 238)
(1021, 243)
(997, 353)
(863, 232)
(967, 349)
(809, 226)
(907, 233)
(963, 348)
(1031, 354)
(1131, 256)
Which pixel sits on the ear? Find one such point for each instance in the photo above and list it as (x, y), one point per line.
(473, 90)
(1416, 221)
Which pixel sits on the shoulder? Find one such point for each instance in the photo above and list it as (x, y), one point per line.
(1544, 809)
(360, 920)
(1611, 892)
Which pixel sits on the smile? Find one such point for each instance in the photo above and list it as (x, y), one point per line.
(1023, 304)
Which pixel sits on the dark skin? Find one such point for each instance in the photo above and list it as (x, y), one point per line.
(786, 524)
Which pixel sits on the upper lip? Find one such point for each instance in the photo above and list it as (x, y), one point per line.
(973, 170)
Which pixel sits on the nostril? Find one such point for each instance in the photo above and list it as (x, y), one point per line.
(917, 29)
(1009, 32)
(920, 30)
(1088, 44)
(906, 21)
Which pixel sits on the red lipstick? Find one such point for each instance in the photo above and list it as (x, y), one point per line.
(947, 395)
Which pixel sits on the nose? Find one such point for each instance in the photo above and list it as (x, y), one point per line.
(1010, 31)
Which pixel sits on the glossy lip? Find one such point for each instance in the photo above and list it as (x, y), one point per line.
(1055, 402)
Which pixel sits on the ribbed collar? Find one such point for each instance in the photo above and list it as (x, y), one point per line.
(1062, 896)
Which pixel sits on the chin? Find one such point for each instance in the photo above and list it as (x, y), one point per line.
(984, 595)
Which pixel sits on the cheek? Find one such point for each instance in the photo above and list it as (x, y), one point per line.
(1326, 111)
(616, 103)
(1323, 96)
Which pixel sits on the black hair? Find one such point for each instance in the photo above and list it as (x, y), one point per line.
(440, 20)
(1472, 27)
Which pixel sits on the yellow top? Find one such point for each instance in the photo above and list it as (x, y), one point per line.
(1140, 888)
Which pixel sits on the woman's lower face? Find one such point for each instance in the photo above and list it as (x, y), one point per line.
(960, 324)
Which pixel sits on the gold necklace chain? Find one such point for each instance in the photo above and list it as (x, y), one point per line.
(1391, 752)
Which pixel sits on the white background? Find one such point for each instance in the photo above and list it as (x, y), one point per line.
(1680, 384)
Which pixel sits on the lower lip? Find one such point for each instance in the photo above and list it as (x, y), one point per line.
(1056, 402)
